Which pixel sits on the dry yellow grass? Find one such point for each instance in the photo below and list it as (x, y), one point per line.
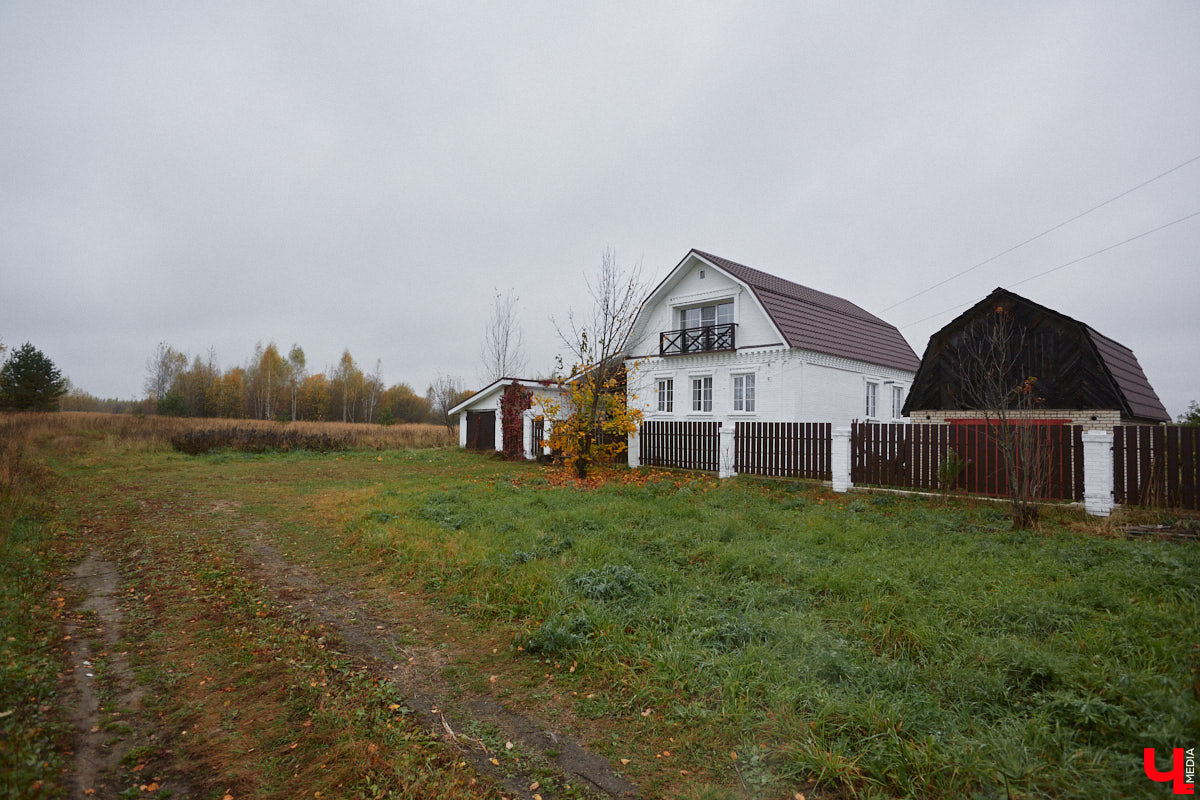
(153, 432)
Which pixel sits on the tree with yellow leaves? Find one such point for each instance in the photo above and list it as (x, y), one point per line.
(592, 422)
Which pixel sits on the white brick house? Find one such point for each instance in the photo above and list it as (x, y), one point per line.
(719, 341)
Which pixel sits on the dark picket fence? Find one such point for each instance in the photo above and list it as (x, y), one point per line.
(682, 445)
(783, 449)
(922, 456)
(1157, 465)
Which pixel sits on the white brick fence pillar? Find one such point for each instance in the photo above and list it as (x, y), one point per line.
(1098, 473)
(634, 450)
(839, 458)
(725, 452)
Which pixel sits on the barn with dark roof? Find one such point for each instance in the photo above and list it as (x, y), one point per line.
(720, 341)
(1081, 375)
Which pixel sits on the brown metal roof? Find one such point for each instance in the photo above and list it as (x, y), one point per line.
(1131, 380)
(821, 322)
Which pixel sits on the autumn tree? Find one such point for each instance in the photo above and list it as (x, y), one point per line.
(227, 395)
(502, 354)
(346, 386)
(594, 422)
(404, 405)
(193, 385)
(29, 381)
(162, 369)
(313, 398)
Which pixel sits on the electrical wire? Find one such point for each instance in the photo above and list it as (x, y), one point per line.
(1040, 235)
(1063, 265)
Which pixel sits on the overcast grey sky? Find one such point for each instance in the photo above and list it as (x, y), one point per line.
(363, 175)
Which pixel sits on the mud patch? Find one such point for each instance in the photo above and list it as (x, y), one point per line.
(417, 672)
(107, 698)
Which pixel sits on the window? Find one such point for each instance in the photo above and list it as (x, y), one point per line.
(743, 392)
(702, 394)
(897, 401)
(666, 394)
(872, 400)
(718, 314)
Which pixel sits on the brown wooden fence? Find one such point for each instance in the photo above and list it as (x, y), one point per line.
(683, 445)
(785, 449)
(912, 456)
(1157, 465)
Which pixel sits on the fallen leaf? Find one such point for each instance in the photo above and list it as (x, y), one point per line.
(646, 713)
(495, 763)
(733, 754)
(624, 761)
(534, 785)
(509, 745)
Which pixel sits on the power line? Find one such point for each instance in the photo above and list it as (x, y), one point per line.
(1064, 265)
(1040, 235)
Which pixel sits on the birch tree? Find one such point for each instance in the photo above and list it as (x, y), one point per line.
(502, 354)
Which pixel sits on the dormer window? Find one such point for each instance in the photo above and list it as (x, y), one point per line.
(717, 314)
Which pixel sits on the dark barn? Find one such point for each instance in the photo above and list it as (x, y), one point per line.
(1081, 376)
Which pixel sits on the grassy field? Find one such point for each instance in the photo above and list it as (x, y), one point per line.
(710, 639)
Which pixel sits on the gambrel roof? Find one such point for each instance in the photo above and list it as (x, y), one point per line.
(821, 322)
(1076, 367)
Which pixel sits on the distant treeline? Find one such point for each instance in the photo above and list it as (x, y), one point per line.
(277, 387)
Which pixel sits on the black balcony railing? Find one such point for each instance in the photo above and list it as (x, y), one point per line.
(705, 339)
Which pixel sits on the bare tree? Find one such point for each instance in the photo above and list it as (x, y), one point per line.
(445, 393)
(502, 354)
(597, 342)
(162, 369)
(992, 371)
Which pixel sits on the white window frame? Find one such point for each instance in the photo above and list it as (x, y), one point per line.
(872, 399)
(715, 319)
(897, 400)
(700, 388)
(665, 389)
(745, 392)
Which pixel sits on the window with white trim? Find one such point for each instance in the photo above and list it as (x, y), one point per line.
(872, 400)
(897, 401)
(743, 392)
(716, 314)
(666, 394)
(702, 394)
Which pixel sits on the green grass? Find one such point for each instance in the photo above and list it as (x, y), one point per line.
(874, 645)
(871, 642)
(33, 732)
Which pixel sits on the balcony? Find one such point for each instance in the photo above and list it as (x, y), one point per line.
(705, 339)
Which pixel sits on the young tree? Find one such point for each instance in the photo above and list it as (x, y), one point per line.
(29, 381)
(445, 393)
(993, 373)
(502, 354)
(296, 375)
(596, 420)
